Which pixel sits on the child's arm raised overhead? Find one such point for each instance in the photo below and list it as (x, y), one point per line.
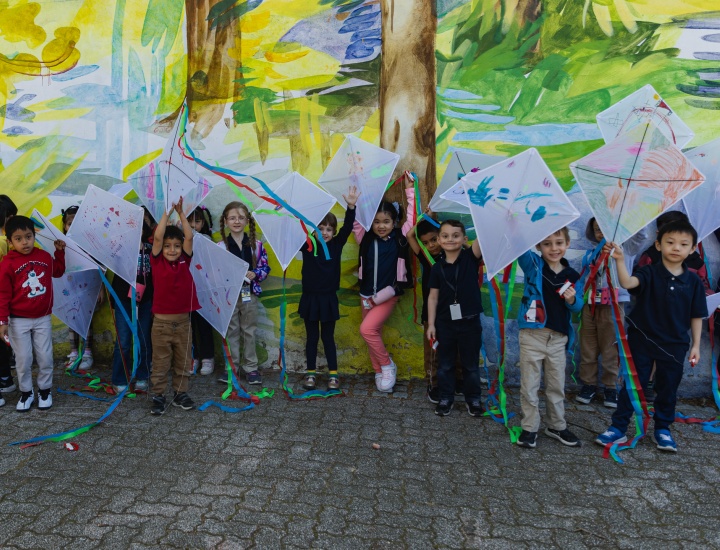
(476, 249)
(159, 234)
(187, 230)
(410, 221)
(627, 281)
(351, 199)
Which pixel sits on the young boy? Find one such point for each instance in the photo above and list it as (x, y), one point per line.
(454, 308)
(26, 300)
(545, 331)
(173, 299)
(670, 301)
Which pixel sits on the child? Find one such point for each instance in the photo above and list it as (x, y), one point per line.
(321, 281)
(545, 331)
(203, 345)
(174, 298)
(670, 301)
(7, 385)
(454, 308)
(86, 363)
(122, 354)
(26, 299)
(384, 261)
(597, 330)
(236, 217)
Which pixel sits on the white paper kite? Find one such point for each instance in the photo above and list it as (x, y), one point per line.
(75, 296)
(703, 203)
(461, 163)
(713, 302)
(282, 230)
(632, 180)
(109, 229)
(218, 276)
(514, 205)
(364, 165)
(76, 259)
(640, 107)
(161, 183)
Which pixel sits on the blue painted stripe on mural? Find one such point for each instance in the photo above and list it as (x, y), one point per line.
(537, 135)
(450, 93)
(479, 117)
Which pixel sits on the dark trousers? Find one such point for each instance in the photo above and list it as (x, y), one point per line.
(202, 337)
(5, 355)
(315, 330)
(668, 374)
(459, 339)
(123, 352)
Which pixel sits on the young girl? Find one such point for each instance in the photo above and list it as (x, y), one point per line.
(321, 281)
(384, 262)
(87, 359)
(236, 217)
(202, 333)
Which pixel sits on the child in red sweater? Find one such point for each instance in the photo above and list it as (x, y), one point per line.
(26, 300)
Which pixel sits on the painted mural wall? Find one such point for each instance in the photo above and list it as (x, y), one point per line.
(89, 90)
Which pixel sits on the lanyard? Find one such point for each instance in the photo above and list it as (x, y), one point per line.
(457, 270)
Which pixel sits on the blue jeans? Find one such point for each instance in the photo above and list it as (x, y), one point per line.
(459, 341)
(668, 374)
(122, 355)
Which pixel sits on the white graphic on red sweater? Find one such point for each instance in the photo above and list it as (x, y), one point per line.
(34, 284)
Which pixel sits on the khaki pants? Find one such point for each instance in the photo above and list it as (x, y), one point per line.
(597, 338)
(243, 322)
(542, 349)
(171, 349)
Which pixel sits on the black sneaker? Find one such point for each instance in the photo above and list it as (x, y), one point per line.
(159, 405)
(566, 437)
(183, 401)
(586, 394)
(474, 408)
(527, 440)
(254, 378)
(443, 408)
(433, 395)
(611, 399)
(7, 385)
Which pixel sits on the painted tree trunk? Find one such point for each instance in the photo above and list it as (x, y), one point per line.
(407, 88)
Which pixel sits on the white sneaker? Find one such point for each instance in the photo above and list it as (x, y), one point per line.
(378, 381)
(44, 403)
(141, 385)
(119, 389)
(25, 402)
(208, 366)
(2, 401)
(86, 363)
(72, 356)
(389, 375)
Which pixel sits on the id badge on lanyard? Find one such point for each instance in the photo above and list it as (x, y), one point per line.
(455, 313)
(245, 294)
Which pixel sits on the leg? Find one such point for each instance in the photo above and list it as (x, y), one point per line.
(233, 335)
(532, 353)
(469, 342)
(21, 341)
(448, 341)
(589, 345)
(608, 347)
(327, 331)
(430, 359)
(162, 355)
(311, 344)
(371, 331)
(555, 381)
(195, 329)
(668, 375)
(144, 322)
(248, 325)
(122, 354)
(643, 365)
(182, 355)
(42, 345)
(206, 345)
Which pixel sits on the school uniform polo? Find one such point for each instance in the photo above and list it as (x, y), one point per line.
(174, 290)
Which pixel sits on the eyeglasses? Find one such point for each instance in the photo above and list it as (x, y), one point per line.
(232, 219)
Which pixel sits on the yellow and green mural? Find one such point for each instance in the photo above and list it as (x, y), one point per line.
(89, 90)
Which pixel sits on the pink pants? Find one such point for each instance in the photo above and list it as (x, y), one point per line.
(371, 331)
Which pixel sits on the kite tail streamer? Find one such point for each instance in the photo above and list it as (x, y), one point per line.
(312, 394)
(136, 355)
(234, 389)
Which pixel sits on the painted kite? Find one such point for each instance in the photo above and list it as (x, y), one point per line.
(461, 163)
(703, 203)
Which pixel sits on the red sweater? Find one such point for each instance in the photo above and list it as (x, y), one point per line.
(26, 288)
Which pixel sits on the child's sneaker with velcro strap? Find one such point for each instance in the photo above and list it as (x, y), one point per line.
(527, 440)
(182, 400)
(586, 394)
(664, 441)
(611, 436)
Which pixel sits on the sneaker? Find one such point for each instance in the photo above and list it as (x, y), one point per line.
(222, 379)
(443, 408)
(459, 387)
(433, 395)
(183, 401)
(120, 389)
(309, 382)
(86, 363)
(527, 440)
(26, 401)
(610, 436)
(586, 394)
(333, 383)
(378, 381)
(566, 437)
(208, 367)
(141, 385)
(44, 400)
(664, 441)
(389, 375)
(7, 385)
(159, 405)
(2, 401)
(611, 399)
(254, 378)
(475, 408)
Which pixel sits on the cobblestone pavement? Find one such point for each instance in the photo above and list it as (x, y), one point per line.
(305, 474)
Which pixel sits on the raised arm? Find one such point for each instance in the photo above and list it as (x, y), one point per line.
(410, 220)
(187, 230)
(626, 280)
(159, 235)
(476, 249)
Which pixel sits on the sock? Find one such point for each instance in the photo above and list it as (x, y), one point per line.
(333, 374)
(311, 372)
